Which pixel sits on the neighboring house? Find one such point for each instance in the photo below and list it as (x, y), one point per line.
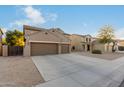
(40, 41)
(1, 33)
(120, 42)
(96, 45)
(120, 45)
(80, 42)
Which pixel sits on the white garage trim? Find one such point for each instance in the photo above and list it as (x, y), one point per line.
(49, 42)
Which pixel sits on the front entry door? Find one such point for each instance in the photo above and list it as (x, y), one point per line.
(88, 47)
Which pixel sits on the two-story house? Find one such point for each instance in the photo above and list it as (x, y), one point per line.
(80, 42)
(41, 41)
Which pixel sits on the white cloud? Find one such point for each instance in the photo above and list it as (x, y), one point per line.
(33, 16)
(52, 16)
(120, 33)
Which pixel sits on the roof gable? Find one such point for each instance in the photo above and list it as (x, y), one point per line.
(53, 34)
(44, 36)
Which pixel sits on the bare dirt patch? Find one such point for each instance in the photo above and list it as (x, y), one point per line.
(18, 71)
(107, 56)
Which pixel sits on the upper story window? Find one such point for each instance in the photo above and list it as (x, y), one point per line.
(86, 39)
(89, 39)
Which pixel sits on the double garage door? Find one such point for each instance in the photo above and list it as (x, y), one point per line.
(47, 48)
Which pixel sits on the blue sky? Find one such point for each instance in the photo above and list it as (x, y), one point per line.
(72, 19)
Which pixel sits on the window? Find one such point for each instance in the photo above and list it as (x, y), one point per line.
(89, 39)
(86, 39)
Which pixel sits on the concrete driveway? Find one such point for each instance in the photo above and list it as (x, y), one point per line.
(74, 70)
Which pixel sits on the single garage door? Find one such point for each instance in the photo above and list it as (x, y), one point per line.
(43, 49)
(64, 48)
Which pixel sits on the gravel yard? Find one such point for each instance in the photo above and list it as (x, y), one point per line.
(18, 71)
(107, 56)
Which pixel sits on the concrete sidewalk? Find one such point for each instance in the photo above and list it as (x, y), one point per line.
(73, 70)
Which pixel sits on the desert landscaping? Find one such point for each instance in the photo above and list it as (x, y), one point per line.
(106, 56)
(18, 71)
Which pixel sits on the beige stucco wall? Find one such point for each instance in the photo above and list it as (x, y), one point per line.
(60, 35)
(59, 48)
(99, 46)
(26, 50)
(102, 47)
(76, 41)
(109, 47)
(46, 36)
(5, 50)
(79, 42)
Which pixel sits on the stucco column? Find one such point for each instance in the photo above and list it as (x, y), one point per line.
(59, 48)
(117, 48)
(90, 47)
(69, 48)
(5, 50)
(105, 48)
(27, 47)
(26, 51)
(85, 47)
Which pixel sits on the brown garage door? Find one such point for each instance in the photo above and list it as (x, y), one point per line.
(43, 49)
(65, 48)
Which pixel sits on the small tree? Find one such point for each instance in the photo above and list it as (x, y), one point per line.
(106, 35)
(4, 41)
(15, 38)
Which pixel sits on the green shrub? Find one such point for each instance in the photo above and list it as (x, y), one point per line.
(96, 52)
(121, 48)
